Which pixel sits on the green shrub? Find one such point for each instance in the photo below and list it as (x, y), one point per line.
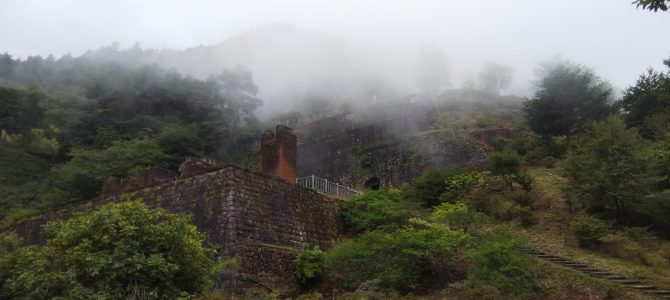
(506, 164)
(382, 209)
(526, 217)
(460, 185)
(401, 259)
(588, 230)
(309, 265)
(119, 251)
(457, 216)
(498, 260)
(427, 188)
(620, 245)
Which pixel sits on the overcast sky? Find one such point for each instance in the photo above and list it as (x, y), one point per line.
(618, 40)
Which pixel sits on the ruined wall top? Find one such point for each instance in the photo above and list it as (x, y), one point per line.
(279, 153)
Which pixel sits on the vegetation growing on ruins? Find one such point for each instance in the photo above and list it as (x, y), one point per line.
(571, 171)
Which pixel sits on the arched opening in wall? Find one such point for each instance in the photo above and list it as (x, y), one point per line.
(372, 184)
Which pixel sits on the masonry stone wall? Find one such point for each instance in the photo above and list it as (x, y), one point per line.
(356, 155)
(260, 219)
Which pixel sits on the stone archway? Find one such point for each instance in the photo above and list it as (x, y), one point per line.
(372, 183)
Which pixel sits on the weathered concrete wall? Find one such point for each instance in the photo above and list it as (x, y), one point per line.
(261, 219)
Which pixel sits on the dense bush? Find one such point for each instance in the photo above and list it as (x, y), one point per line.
(83, 175)
(508, 165)
(401, 259)
(589, 230)
(457, 216)
(382, 209)
(499, 260)
(122, 250)
(460, 185)
(619, 244)
(428, 188)
(608, 171)
(309, 265)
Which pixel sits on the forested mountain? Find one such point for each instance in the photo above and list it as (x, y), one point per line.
(72, 122)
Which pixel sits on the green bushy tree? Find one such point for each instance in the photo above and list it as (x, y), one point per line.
(84, 174)
(607, 170)
(499, 260)
(589, 230)
(568, 96)
(122, 250)
(457, 216)
(428, 188)
(383, 209)
(309, 265)
(647, 103)
(402, 259)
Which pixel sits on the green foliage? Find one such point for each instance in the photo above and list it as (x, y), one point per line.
(401, 259)
(21, 109)
(459, 185)
(647, 103)
(589, 230)
(607, 170)
(457, 216)
(568, 96)
(619, 244)
(499, 260)
(508, 165)
(122, 250)
(88, 169)
(382, 209)
(427, 188)
(20, 174)
(309, 265)
(654, 5)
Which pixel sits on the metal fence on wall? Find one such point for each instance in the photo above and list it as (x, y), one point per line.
(325, 186)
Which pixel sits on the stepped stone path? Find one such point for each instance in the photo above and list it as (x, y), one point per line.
(601, 274)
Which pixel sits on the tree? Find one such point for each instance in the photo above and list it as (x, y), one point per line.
(238, 92)
(506, 164)
(84, 174)
(494, 78)
(120, 251)
(654, 5)
(567, 97)
(607, 170)
(647, 104)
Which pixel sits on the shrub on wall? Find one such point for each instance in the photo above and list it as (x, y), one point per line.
(309, 265)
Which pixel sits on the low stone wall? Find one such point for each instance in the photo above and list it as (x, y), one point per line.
(262, 220)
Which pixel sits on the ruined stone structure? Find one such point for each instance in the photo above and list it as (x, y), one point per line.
(372, 153)
(278, 153)
(259, 218)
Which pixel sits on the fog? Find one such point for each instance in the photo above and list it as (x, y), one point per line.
(358, 50)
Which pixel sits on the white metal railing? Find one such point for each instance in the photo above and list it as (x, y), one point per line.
(325, 186)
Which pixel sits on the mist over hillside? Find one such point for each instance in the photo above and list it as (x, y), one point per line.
(290, 64)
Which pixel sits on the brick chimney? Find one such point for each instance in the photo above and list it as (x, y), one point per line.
(279, 153)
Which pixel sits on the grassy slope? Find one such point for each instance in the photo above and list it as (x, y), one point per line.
(552, 234)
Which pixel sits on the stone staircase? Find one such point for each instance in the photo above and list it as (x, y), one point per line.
(601, 274)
